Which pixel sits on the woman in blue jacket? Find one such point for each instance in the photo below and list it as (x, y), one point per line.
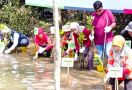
(15, 39)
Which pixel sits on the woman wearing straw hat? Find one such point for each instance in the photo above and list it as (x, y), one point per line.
(121, 56)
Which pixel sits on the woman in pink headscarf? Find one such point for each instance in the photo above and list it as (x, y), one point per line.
(42, 43)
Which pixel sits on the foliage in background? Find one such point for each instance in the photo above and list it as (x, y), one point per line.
(121, 21)
(16, 17)
(24, 18)
(44, 25)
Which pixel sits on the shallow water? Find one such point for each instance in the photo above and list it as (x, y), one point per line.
(18, 72)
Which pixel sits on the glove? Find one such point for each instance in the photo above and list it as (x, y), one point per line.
(75, 57)
(91, 37)
(41, 50)
(108, 29)
(68, 50)
(82, 49)
(7, 51)
(35, 57)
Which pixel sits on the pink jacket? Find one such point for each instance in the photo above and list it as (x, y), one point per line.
(100, 22)
(43, 41)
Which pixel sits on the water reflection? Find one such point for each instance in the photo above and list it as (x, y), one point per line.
(36, 77)
(18, 75)
(3, 69)
(15, 69)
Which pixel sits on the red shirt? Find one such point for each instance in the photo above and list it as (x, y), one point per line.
(86, 41)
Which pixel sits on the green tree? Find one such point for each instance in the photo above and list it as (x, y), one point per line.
(17, 17)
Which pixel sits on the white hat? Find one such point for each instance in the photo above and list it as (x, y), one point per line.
(66, 28)
(52, 29)
(74, 25)
(129, 27)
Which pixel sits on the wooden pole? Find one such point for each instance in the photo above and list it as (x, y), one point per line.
(57, 54)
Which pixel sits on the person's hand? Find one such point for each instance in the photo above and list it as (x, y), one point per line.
(7, 51)
(75, 57)
(41, 49)
(82, 49)
(35, 57)
(67, 51)
(91, 37)
(108, 29)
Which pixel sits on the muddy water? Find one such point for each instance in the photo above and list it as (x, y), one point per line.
(19, 72)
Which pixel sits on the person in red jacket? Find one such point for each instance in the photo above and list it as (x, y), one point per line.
(42, 43)
(78, 30)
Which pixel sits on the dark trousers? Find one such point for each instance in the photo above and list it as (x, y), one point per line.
(88, 52)
(127, 83)
(23, 42)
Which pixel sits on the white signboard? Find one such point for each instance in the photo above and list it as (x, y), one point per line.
(66, 28)
(67, 62)
(115, 72)
(52, 30)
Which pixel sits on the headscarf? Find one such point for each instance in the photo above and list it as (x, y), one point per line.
(74, 25)
(4, 29)
(41, 41)
(118, 40)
